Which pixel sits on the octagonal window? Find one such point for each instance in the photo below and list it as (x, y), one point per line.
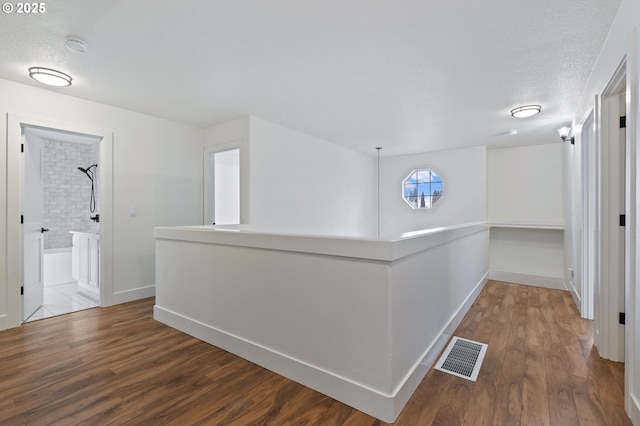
(422, 189)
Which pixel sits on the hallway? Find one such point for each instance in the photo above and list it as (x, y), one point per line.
(118, 365)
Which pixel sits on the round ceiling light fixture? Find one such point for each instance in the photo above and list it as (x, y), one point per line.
(526, 111)
(50, 77)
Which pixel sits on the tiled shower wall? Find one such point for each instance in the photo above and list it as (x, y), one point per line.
(67, 191)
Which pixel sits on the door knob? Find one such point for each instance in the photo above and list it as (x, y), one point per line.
(43, 230)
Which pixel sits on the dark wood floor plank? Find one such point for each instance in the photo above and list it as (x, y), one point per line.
(535, 409)
(492, 331)
(118, 366)
(511, 374)
(423, 406)
(562, 408)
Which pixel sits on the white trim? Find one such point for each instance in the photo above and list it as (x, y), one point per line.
(570, 287)
(590, 209)
(363, 398)
(554, 283)
(386, 407)
(633, 409)
(3, 322)
(631, 249)
(559, 226)
(354, 247)
(609, 334)
(133, 294)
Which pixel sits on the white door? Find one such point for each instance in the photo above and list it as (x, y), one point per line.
(33, 227)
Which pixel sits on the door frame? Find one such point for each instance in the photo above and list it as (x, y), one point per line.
(632, 245)
(608, 335)
(586, 241)
(15, 189)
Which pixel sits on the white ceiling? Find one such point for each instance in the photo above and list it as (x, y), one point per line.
(408, 75)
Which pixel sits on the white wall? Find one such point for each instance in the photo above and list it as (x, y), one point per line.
(358, 320)
(298, 183)
(525, 184)
(465, 190)
(157, 168)
(230, 131)
(527, 256)
(622, 43)
(303, 184)
(525, 191)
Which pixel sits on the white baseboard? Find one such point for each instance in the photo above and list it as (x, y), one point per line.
(351, 393)
(574, 294)
(634, 410)
(554, 283)
(133, 294)
(371, 401)
(411, 382)
(3, 322)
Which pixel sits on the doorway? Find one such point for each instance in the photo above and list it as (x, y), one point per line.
(222, 188)
(609, 245)
(61, 222)
(15, 209)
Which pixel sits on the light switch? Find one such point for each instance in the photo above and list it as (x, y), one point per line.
(133, 211)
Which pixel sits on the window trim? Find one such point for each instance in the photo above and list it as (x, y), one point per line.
(414, 172)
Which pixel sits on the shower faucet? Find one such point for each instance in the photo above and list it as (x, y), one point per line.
(92, 200)
(95, 218)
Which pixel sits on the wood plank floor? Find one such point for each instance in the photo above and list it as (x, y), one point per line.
(119, 366)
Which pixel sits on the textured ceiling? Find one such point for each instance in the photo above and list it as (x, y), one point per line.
(409, 75)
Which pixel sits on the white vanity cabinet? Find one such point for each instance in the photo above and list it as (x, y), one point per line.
(85, 262)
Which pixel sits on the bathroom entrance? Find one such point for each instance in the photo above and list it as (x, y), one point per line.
(61, 222)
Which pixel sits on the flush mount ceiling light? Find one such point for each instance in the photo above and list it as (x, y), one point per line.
(526, 111)
(50, 77)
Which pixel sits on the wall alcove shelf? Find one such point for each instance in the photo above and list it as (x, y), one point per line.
(529, 225)
(527, 252)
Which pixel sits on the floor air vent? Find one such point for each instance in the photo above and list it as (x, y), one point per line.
(462, 358)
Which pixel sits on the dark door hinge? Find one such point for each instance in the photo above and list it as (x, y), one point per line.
(21, 290)
(21, 147)
(623, 220)
(21, 218)
(621, 318)
(623, 122)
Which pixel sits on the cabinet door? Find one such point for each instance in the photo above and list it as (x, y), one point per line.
(94, 263)
(75, 259)
(83, 246)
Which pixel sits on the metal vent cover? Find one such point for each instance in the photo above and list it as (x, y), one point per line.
(462, 358)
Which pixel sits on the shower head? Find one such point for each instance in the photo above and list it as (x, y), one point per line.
(88, 171)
